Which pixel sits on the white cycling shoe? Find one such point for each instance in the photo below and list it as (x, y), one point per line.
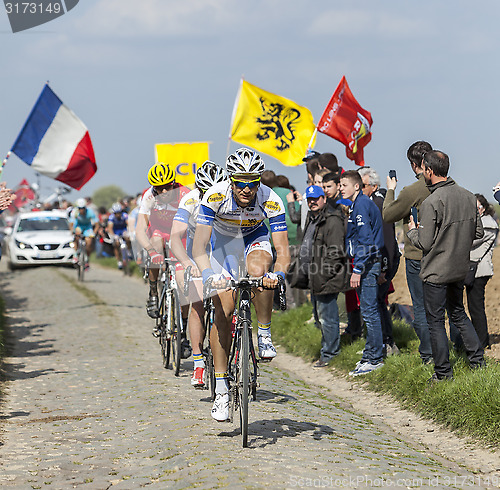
(266, 347)
(220, 408)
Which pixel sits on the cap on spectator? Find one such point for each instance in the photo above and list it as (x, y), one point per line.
(311, 154)
(314, 191)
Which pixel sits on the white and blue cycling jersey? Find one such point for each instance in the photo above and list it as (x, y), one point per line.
(219, 209)
(119, 223)
(187, 213)
(239, 231)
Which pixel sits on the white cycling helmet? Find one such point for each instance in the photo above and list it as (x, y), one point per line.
(244, 161)
(81, 203)
(208, 175)
(116, 208)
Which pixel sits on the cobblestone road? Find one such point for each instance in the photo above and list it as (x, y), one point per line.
(87, 404)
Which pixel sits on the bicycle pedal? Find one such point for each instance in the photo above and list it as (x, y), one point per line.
(265, 360)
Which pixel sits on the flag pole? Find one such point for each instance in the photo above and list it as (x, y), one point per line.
(312, 139)
(233, 116)
(4, 162)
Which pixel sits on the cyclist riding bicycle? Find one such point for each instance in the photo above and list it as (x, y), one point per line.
(207, 176)
(117, 227)
(236, 211)
(82, 222)
(158, 207)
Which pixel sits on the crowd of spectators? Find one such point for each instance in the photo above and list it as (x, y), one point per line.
(448, 233)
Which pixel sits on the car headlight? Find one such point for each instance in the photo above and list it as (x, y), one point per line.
(69, 245)
(22, 245)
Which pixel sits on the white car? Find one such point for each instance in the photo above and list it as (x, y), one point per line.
(42, 237)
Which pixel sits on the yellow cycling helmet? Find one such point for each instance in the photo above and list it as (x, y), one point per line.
(160, 174)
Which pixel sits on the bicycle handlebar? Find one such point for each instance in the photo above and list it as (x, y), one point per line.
(256, 282)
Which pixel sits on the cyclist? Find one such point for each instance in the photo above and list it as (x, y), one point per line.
(158, 207)
(236, 211)
(207, 175)
(116, 228)
(82, 222)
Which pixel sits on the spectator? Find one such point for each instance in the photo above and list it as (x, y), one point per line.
(329, 161)
(269, 178)
(312, 167)
(323, 251)
(482, 254)
(364, 242)
(91, 205)
(449, 222)
(318, 178)
(390, 257)
(496, 191)
(400, 209)
(6, 196)
(295, 297)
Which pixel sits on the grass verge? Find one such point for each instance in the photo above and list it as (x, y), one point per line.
(112, 263)
(470, 404)
(2, 329)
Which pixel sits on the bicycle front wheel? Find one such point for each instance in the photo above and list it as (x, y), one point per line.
(244, 382)
(81, 265)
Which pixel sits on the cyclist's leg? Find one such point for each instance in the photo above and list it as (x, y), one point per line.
(116, 249)
(197, 335)
(258, 262)
(153, 272)
(89, 239)
(220, 343)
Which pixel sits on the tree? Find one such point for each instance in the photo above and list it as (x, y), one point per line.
(107, 195)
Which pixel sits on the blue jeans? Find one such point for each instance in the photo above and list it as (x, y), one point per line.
(367, 293)
(420, 325)
(385, 316)
(327, 313)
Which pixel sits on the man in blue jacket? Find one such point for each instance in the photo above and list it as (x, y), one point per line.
(364, 242)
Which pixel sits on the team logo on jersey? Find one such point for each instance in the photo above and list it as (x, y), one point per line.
(272, 205)
(190, 202)
(216, 197)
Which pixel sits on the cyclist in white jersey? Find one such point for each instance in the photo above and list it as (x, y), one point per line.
(207, 175)
(236, 211)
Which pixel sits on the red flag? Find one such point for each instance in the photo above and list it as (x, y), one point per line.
(24, 194)
(346, 121)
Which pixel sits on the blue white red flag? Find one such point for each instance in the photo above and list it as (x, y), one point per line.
(56, 143)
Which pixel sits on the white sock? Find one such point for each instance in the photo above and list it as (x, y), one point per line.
(264, 329)
(221, 384)
(199, 362)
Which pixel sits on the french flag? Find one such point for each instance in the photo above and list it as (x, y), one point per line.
(56, 143)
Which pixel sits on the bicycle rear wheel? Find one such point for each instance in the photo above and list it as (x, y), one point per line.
(176, 338)
(244, 381)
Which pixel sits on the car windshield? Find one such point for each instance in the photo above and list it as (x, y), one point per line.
(43, 223)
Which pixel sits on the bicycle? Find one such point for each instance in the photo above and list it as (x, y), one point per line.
(243, 363)
(82, 257)
(169, 322)
(126, 255)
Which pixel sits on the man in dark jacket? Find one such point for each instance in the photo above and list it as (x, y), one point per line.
(323, 243)
(364, 240)
(398, 209)
(449, 223)
(390, 257)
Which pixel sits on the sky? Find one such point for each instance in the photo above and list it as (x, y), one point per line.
(140, 72)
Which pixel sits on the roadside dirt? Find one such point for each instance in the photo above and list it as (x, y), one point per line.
(407, 425)
(402, 296)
